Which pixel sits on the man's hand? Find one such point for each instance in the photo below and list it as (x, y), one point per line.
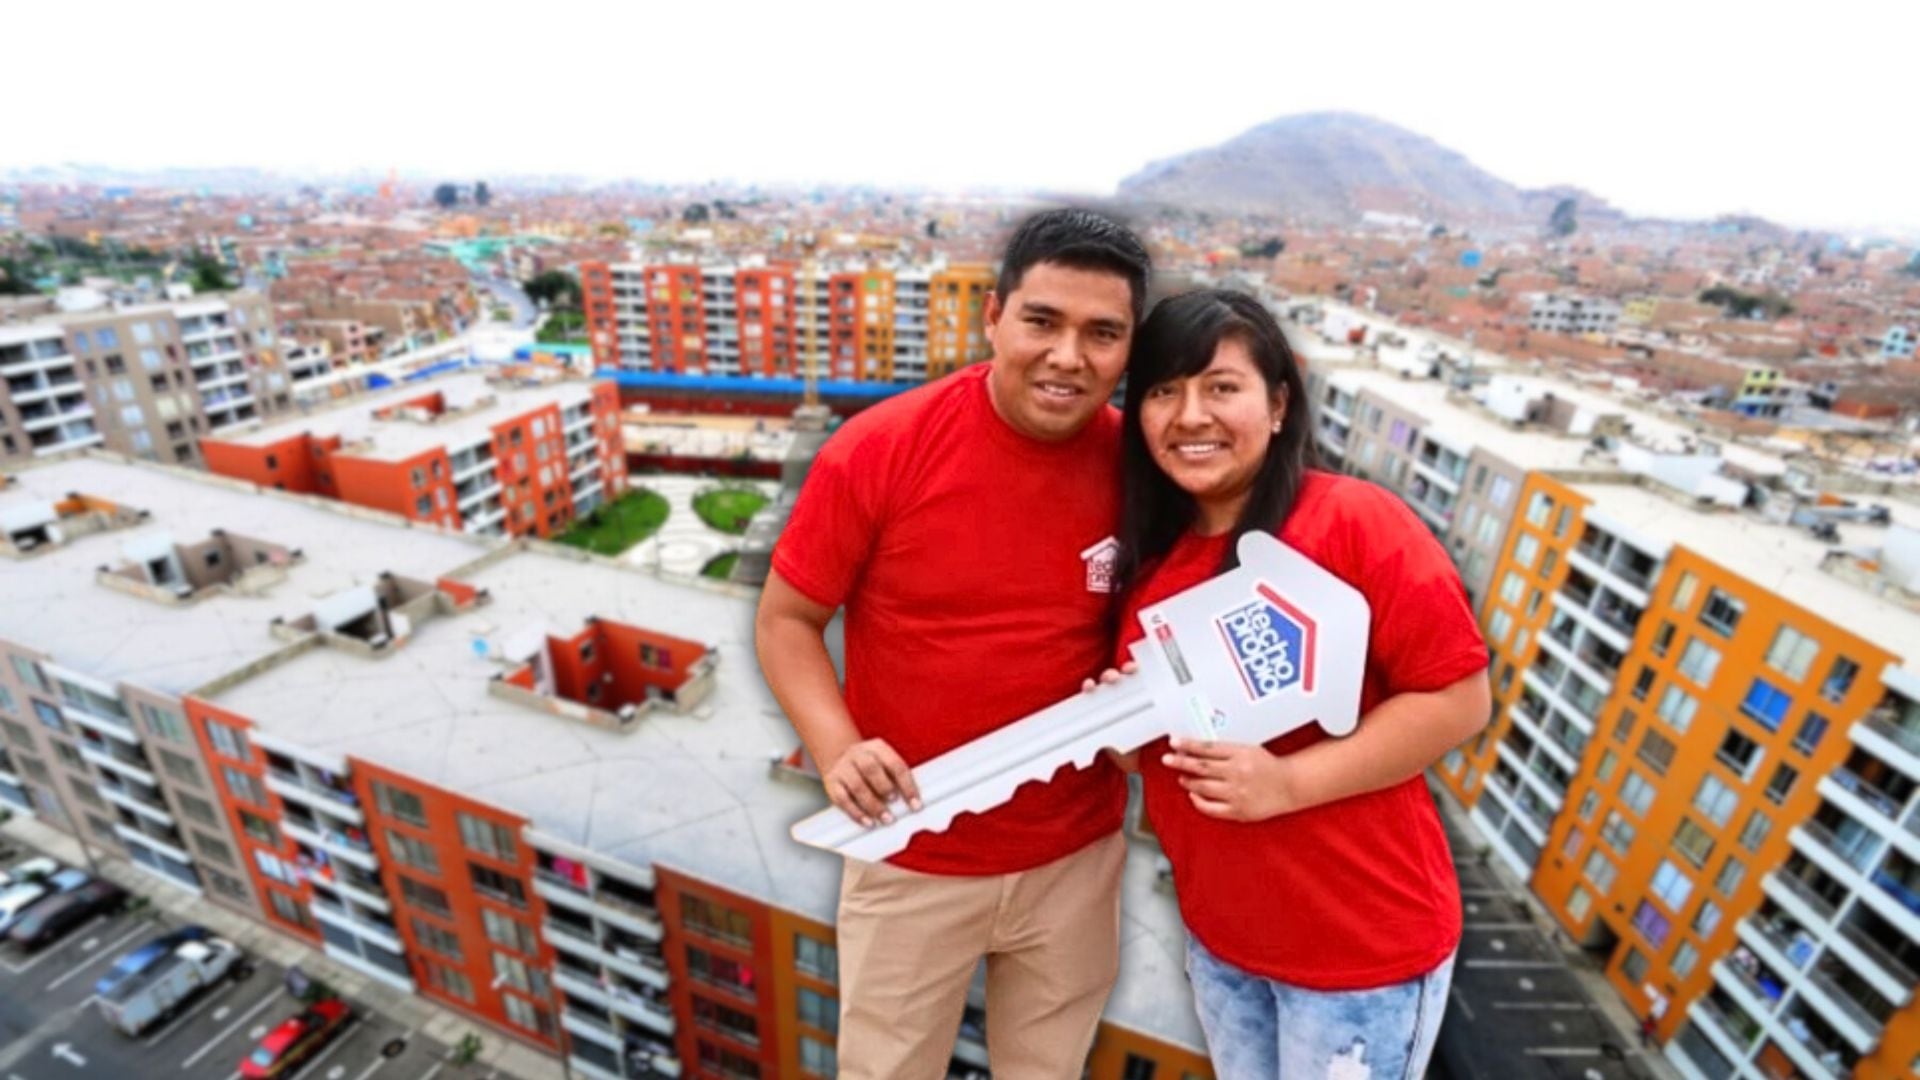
(865, 778)
(1128, 762)
(1232, 781)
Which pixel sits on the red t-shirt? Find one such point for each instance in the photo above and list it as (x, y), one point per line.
(971, 562)
(1353, 894)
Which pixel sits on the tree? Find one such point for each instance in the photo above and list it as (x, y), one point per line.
(481, 196)
(209, 275)
(1561, 222)
(1262, 249)
(933, 229)
(695, 214)
(16, 279)
(556, 287)
(446, 196)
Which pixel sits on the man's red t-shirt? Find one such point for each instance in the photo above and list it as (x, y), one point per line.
(1358, 893)
(974, 564)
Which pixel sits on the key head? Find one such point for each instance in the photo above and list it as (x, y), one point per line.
(1273, 645)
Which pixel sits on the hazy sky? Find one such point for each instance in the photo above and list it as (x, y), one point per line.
(1670, 108)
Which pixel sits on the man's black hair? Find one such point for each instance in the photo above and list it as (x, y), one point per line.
(1080, 239)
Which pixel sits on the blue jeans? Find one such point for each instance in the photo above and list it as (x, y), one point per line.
(1260, 1029)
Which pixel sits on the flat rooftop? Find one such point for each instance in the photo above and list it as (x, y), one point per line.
(1467, 425)
(480, 404)
(54, 604)
(1783, 558)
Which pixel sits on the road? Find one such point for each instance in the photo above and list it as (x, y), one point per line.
(509, 293)
(50, 1028)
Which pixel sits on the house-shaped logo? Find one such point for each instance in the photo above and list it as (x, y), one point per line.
(1101, 560)
(1274, 645)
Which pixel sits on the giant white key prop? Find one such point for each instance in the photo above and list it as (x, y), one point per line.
(1271, 646)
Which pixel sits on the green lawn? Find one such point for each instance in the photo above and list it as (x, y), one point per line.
(621, 524)
(728, 508)
(563, 326)
(721, 566)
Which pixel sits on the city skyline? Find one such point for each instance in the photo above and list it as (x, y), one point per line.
(1716, 135)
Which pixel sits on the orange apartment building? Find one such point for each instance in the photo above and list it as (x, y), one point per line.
(864, 323)
(463, 453)
(520, 782)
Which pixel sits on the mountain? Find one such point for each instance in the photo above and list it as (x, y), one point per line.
(1337, 167)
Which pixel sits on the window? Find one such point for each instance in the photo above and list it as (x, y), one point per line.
(258, 827)
(505, 930)
(1623, 727)
(425, 897)
(179, 766)
(1754, 833)
(1671, 885)
(230, 887)
(289, 909)
(1812, 727)
(244, 786)
(1512, 588)
(496, 885)
(1579, 902)
(1662, 639)
(1839, 679)
(449, 981)
(816, 1057)
(1722, 612)
(415, 853)
(49, 716)
(1599, 871)
(816, 958)
(1729, 877)
(29, 673)
(1707, 918)
(1739, 753)
(398, 803)
(1699, 661)
(1782, 783)
(17, 734)
(1604, 771)
(1539, 508)
(164, 722)
(1501, 492)
(435, 939)
(228, 741)
(1636, 793)
(487, 838)
(1715, 799)
(1656, 750)
(1561, 520)
(1792, 653)
(1526, 549)
(714, 920)
(1766, 703)
(1677, 708)
(1498, 627)
(1652, 924)
(1589, 803)
(1693, 842)
(1684, 591)
(1685, 956)
(1617, 831)
(196, 808)
(1634, 967)
(527, 1016)
(738, 1025)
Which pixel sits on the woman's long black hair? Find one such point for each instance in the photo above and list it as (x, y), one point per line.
(1176, 341)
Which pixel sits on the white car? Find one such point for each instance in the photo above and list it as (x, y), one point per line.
(30, 870)
(16, 899)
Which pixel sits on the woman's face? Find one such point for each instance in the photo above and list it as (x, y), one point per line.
(1209, 432)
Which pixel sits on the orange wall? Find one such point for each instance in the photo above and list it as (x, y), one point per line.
(291, 468)
(670, 887)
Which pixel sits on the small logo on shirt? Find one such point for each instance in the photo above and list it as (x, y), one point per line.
(1272, 643)
(1101, 560)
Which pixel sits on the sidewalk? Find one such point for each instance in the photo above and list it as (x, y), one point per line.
(1593, 980)
(500, 1054)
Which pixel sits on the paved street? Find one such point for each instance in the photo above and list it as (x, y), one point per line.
(684, 543)
(50, 1028)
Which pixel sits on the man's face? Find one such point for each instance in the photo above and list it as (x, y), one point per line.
(1059, 348)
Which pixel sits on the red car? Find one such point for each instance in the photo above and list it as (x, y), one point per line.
(296, 1040)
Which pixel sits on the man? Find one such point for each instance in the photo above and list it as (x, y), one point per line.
(965, 526)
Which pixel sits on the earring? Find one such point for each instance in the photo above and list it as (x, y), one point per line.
(1276, 427)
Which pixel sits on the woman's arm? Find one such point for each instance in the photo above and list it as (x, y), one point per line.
(1398, 739)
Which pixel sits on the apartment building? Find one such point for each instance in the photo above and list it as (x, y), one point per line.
(146, 379)
(490, 456)
(1556, 313)
(542, 789)
(862, 323)
(1703, 754)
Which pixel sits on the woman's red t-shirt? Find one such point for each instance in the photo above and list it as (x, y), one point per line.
(1358, 893)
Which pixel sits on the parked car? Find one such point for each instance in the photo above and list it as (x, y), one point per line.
(16, 899)
(53, 918)
(31, 870)
(140, 1001)
(285, 1047)
(65, 881)
(144, 957)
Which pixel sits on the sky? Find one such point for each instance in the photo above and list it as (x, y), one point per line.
(1664, 109)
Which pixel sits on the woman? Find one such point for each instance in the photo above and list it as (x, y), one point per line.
(1312, 872)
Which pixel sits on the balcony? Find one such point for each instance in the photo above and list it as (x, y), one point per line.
(115, 727)
(166, 843)
(1895, 743)
(341, 916)
(641, 1009)
(294, 786)
(146, 802)
(132, 766)
(1798, 898)
(1854, 1023)
(357, 852)
(628, 914)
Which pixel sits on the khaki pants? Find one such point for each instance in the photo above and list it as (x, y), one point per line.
(909, 944)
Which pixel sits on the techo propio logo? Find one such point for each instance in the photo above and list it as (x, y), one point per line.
(1272, 643)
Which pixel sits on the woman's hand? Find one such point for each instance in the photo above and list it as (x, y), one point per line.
(1128, 762)
(1232, 781)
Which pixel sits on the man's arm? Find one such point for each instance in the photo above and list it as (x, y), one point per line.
(860, 775)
